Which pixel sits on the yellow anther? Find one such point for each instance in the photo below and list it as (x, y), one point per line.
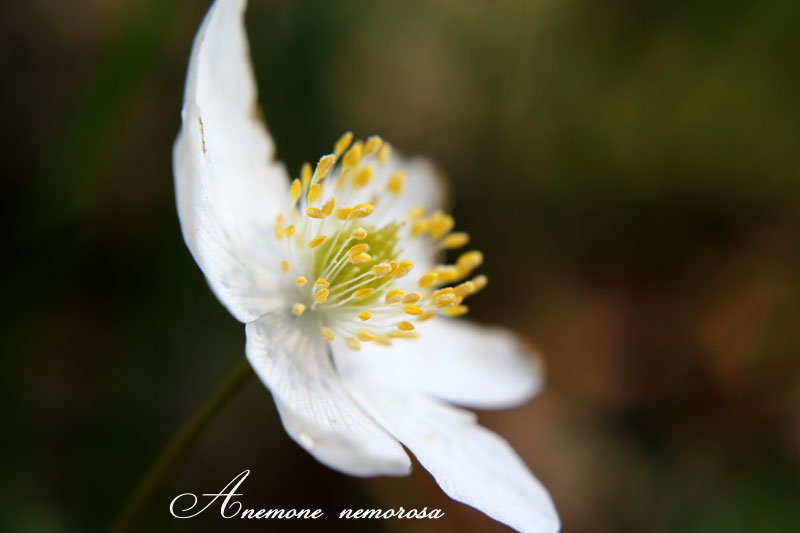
(416, 212)
(359, 233)
(394, 296)
(413, 310)
(362, 210)
(327, 334)
(313, 212)
(321, 296)
(327, 209)
(322, 283)
(298, 309)
(324, 166)
(427, 280)
(427, 316)
(384, 154)
(394, 265)
(285, 266)
(353, 343)
(448, 273)
(403, 268)
(455, 240)
(456, 310)
(382, 270)
(465, 289)
(363, 177)
(290, 230)
(357, 249)
(279, 227)
(396, 182)
(411, 298)
(479, 282)
(343, 212)
(360, 258)
(443, 299)
(301, 281)
(420, 227)
(440, 224)
(365, 336)
(373, 143)
(295, 191)
(313, 193)
(405, 326)
(316, 241)
(364, 315)
(353, 156)
(383, 341)
(360, 294)
(394, 334)
(468, 262)
(305, 174)
(343, 143)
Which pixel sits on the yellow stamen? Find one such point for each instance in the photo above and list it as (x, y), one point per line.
(362, 210)
(296, 191)
(394, 296)
(316, 241)
(313, 212)
(298, 309)
(353, 343)
(279, 227)
(465, 289)
(427, 280)
(396, 183)
(322, 283)
(456, 310)
(343, 212)
(420, 227)
(285, 266)
(353, 156)
(440, 224)
(360, 294)
(403, 268)
(448, 273)
(413, 310)
(455, 240)
(373, 143)
(394, 334)
(416, 212)
(363, 177)
(357, 249)
(365, 336)
(359, 233)
(343, 143)
(479, 282)
(327, 209)
(444, 297)
(384, 153)
(405, 326)
(327, 334)
(290, 230)
(305, 174)
(382, 270)
(324, 166)
(301, 281)
(427, 316)
(364, 315)
(321, 296)
(313, 193)
(468, 262)
(411, 298)
(360, 258)
(383, 341)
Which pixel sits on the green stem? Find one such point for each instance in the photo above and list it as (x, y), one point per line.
(171, 457)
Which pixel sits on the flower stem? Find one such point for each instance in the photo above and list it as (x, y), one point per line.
(172, 455)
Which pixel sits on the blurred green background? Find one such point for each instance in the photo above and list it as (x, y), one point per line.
(629, 168)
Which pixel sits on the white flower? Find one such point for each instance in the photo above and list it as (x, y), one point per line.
(335, 279)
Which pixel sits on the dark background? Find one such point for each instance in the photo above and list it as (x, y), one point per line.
(629, 168)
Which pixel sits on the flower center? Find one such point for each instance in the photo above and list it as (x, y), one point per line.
(351, 265)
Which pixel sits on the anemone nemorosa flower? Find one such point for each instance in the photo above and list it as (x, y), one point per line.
(350, 320)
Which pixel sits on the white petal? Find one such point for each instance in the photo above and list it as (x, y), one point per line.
(455, 360)
(292, 360)
(470, 463)
(227, 186)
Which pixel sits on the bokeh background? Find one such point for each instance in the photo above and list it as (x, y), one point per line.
(629, 168)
